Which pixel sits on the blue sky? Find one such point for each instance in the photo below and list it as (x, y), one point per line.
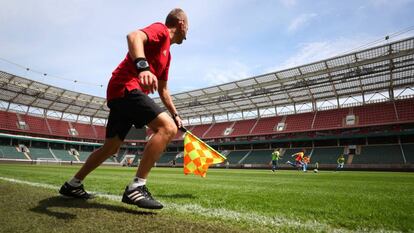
(227, 40)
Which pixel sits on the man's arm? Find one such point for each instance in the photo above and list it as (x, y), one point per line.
(136, 41)
(167, 101)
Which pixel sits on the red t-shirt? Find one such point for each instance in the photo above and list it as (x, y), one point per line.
(157, 53)
(299, 156)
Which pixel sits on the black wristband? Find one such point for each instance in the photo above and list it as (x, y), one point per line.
(175, 115)
(141, 64)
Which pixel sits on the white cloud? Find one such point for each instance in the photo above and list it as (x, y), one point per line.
(319, 50)
(288, 3)
(300, 21)
(234, 71)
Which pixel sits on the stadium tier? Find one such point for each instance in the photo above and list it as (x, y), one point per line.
(10, 121)
(330, 119)
(376, 114)
(400, 111)
(299, 122)
(265, 125)
(234, 157)
(36, 153)
(327, 155)
(379, 154)
(36, 124)
(242, 128)
(10, 152)
(64, 155)
(121, 154)
(405, 110)
(218, 130)
(258, 157)
(167, 157)
(409, 152)
(200, 130)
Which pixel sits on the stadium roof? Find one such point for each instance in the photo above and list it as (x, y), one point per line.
(380, 68)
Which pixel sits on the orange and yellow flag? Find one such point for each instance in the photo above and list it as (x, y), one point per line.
(198, 156)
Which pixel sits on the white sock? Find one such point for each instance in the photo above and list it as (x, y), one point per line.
(75, 182)
(136, 182)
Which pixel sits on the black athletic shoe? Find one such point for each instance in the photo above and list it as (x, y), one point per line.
(141, 197)
(68, 190)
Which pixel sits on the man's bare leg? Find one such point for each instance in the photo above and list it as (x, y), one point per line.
(164, 131)
(110, 147)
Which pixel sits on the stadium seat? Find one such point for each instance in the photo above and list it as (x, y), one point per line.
(235, 156)
(379, 154)
(10, 152)
(405, 110)
(258, 157)
(217, 130)
(330, 119)
(8, 121)
(266, 125)
(243, 128)
(375, 114)
(327, 155)
(299, 122)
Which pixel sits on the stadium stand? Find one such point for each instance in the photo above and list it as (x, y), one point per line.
(84, 130)
(10, 152)
(375, 114)
(327, 155)
(36, 153)
(234, 157)
(100, 131)
(83, 155)
(121, 154)
(266, 125)
(8, 121)
(258, 157)
(299, 122)
(379, 154)
(36, 124)
(167, 157)
(217, 130)
(58, 127)
(330, 119)
(409, 152)
(200, 130)
(243, 128)
(64, 155)
(405, 110)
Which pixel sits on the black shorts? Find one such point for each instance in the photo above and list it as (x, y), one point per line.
(135, 108)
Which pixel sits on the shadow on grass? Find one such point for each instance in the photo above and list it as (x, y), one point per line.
(58, 201)
(177, 195)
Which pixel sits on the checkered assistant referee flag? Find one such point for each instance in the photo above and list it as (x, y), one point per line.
(198, 156)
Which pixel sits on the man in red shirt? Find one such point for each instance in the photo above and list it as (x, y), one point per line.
(144, 70)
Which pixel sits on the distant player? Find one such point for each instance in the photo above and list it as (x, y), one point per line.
(305, 162)
(316, 167)
(340, 161)
(298, 159)
(275, 159)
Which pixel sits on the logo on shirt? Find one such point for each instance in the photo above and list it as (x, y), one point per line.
(164, 52)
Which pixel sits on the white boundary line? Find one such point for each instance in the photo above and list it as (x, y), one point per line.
(251, 218)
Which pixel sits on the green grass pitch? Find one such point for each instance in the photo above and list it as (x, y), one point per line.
(224, 201)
